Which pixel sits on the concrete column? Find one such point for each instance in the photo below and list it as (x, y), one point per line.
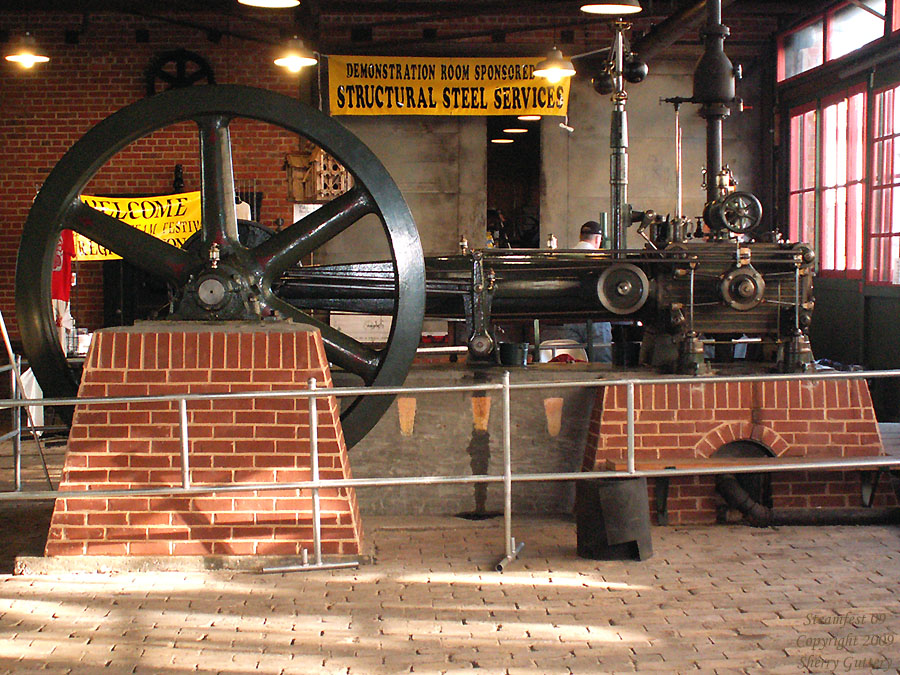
(472, 171)
(555, 183)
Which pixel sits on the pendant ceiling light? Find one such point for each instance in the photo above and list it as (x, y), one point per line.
(296, 56)
(270, 4)
(25, 52)
(612, 7)
(555, 67)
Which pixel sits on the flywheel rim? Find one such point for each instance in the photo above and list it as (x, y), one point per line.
(55, 205)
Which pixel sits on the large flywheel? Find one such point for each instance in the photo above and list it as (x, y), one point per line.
(223, 279)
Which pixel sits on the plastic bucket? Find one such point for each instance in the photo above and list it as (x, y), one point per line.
(513, 353)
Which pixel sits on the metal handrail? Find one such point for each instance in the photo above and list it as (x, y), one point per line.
(512, 549)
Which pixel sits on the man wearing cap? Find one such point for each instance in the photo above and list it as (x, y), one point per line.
(591, 236)
(599, 346)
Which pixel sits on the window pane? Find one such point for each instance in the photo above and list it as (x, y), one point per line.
(796, 152)
(885, 265)
(794, 218)
(809, 149)
(876, 262)
(892, 111)
(884, 114)
(892, 172)
(854, 226)
(884, 226)
(879, 211)
(840, 229)
(851, 27)
(892, 270)
(894, 225)
(808, 229)
(803, 151)
(878, 163)
(802, 49)
(856, 116)
(829, 215)
(834, 144)
(887, 162)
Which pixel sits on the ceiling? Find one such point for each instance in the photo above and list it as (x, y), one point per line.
(450, 27)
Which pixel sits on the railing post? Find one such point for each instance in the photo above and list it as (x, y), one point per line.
(512, 549)
(629, 402)
(314, 471)
(507, 468)
(17, 422)
(183, 430)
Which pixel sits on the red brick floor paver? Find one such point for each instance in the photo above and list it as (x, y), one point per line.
(727, 599)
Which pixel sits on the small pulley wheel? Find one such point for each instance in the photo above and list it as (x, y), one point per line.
(175, 69)
(806, 253)
(623, 288)
(743, 288)
(739, 212)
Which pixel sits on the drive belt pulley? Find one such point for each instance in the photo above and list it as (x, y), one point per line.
(623, 288)
(743, 288)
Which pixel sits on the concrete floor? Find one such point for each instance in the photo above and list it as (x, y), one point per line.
(711, 599)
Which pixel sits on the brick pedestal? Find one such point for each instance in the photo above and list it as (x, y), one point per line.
(826, 419)
(264, 440)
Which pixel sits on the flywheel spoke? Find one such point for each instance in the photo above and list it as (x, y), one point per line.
(219, 221)
(136, 246)
(341, 349)
(286, 248)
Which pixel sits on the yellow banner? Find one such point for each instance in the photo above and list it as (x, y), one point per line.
(172, 218)
(386, 85)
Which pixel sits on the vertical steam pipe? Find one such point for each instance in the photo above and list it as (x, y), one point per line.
(679, 202)
(714, 78)
(618, 142)
(713, 156)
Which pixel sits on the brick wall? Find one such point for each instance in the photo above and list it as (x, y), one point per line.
(825, 419)
(117, 446)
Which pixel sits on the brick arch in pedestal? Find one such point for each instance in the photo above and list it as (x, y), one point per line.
(794, 418)
(728, 432)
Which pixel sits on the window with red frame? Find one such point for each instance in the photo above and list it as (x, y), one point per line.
(831, 35)
(884, 226)
(842, 184)
(804, 161)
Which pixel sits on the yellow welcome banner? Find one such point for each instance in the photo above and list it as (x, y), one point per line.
(385, 85)
(172, 218)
